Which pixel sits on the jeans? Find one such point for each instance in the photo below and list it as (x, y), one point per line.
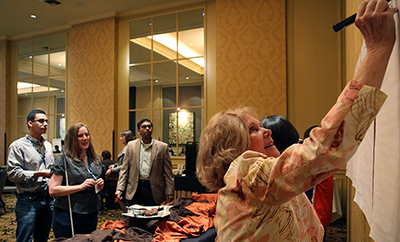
(83, 223)
(33, 212)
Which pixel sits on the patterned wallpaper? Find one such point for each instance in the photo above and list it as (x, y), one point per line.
(92, 79)
(251, 55)
(5, 75)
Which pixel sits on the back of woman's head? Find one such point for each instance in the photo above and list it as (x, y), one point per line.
(222, 141)
(307, 132)
(284, 133)
(129, 136)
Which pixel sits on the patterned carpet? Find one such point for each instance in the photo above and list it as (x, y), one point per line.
(335, 233)
(8, 224)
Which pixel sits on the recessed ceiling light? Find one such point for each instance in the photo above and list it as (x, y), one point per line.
(81, 5)
(33, 16)
(59, 64)
(190, 43)
(187, 78)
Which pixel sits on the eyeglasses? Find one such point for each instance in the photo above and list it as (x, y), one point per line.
(146, 126)
(41, 121)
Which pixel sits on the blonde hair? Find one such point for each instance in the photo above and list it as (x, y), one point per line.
(222, 141)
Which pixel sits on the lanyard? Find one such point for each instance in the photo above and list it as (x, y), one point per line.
(89, 168)
(41, 156)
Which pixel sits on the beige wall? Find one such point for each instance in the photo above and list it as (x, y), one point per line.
(358, 228)
(251, 55)
(5, 77)
(92, 79)
(315, 69)
(314, 61)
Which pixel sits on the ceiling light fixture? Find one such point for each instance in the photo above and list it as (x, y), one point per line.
(25, 88)
(33, 16)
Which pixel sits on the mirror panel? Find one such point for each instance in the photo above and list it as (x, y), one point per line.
(173, 78)
(41, 82)
(140, 43)
(164, 37)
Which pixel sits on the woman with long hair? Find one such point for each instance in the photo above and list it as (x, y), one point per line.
(75, 182)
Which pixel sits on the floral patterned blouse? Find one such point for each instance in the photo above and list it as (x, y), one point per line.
(263, 199)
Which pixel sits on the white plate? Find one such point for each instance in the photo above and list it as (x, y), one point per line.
(134, 209)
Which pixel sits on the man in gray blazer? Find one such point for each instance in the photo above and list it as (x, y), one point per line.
(146, 176)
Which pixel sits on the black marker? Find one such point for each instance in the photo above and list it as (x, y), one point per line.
(346, 22)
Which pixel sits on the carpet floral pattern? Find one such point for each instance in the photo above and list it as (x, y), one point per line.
(8, 223)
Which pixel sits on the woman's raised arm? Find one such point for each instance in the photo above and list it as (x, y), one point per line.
(376, 23)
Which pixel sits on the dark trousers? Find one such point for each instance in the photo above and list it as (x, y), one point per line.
(143, 195)
(33, 212)
(83, 223)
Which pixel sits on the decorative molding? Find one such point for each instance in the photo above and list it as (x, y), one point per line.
(93, 18)
(42, 32)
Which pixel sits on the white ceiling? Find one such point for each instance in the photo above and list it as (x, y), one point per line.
(15, 20)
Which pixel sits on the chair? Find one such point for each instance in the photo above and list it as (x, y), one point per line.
(3, 179)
